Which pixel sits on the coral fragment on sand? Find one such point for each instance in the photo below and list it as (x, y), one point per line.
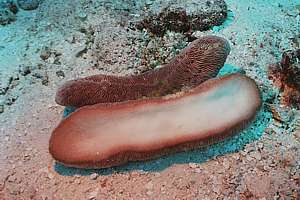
(105, 135)
(184, 16)
(286, 76)
(200, 61)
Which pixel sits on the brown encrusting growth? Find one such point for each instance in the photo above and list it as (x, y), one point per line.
(106, 135)
(179, 16)
(200, 61)
(286, 76)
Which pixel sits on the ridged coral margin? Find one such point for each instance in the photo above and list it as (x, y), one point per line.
(200, 61)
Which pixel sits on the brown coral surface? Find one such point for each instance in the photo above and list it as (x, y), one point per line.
(286, 76)
(201, 60)
(179, 16)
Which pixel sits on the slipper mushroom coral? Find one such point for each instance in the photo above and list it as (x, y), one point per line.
(106, 135)
(198, 62)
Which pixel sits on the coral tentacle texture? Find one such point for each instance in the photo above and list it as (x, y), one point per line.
(200, 61)
(105, 135)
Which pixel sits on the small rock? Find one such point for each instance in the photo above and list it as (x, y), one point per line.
(24, 70)
(94, 176)
(14, 191)
(93, 195)
(236, 156)
(193, 165)
(11, 99)
(38, 75)
(28, 4)
(52, 59)
(45, 80)
(183, 16)
(244, 153)
(11, 179)
(77, 181)
(60, 74)
(26, 155)
(283, 115)
(260, 145)
(50, 175)
(249, 158)
(45, 54)
(3, 90)
(256, 155)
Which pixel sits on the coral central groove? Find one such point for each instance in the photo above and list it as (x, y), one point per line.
(106, 135)
(200, 61)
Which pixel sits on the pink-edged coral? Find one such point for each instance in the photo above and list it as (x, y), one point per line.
(105, 135)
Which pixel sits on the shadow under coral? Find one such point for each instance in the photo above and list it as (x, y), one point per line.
(230, 145)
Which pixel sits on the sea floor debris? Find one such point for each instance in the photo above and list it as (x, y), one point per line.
(286, 76)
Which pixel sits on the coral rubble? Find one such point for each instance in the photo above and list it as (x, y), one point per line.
(28, 4)
(286, 76)
(184, 16)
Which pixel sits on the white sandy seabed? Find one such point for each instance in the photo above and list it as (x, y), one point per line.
(259, 31)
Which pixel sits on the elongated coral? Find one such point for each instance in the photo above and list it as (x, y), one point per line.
(200, 61)
(106, 135)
